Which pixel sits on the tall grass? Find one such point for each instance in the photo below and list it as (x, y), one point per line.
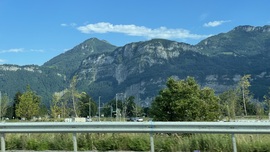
(137, 142)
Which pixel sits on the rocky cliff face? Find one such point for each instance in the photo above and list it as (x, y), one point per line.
(141, 69)
(248, 28)
(131, 59)
(16, 68)
(130, 62)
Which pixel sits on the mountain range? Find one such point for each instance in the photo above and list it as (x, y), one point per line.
(140, 69)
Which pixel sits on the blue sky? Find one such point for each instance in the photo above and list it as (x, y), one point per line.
(34, 31)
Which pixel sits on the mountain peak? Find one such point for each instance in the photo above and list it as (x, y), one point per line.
(71, 59)
(95, 41)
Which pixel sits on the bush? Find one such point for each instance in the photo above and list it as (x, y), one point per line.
(139, 143)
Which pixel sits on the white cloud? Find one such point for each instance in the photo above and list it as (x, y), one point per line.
(20, 50)
(69, 24)
(63, 24)
(214, 23)
(16, 50)
(133, 30)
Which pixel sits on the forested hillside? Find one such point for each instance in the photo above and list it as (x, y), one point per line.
(42, 80)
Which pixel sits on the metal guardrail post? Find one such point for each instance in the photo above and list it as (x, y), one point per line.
(3, 144)
(234, 143)
(74, 142)
(152, 142)
(151, 137)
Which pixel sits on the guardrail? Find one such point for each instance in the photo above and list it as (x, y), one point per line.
(135, 127)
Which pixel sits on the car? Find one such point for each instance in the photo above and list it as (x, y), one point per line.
(135, 119)
(139, 119)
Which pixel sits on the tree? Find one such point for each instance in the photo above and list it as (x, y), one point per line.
(16, 101)
(28, 104)
(69, 100)
(243, 85)
(73, 92)
(4, 104)
(184, 100)
(228, 103)
(11, 113)
(86, 103)
(259, 109)
(110, 108)
(267, 102)
(130, 107)
(55, 106)
(237, 101)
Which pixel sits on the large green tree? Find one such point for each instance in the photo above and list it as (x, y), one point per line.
(184, 100)
(28, 105)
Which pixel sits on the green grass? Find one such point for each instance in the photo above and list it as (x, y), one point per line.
(137, 142)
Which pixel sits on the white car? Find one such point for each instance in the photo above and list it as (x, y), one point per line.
(139, 119)
(135, 119)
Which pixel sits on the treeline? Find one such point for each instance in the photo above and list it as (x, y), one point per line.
(180, 100)
(66, 104)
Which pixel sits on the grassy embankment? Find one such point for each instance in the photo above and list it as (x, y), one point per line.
(137, 142)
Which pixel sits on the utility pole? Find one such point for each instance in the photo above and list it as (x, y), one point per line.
(99, 108)
(89, 109)
(111, 112)
(116, 115)
(124, 104)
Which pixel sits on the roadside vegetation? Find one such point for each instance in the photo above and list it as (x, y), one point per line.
(137, 142)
